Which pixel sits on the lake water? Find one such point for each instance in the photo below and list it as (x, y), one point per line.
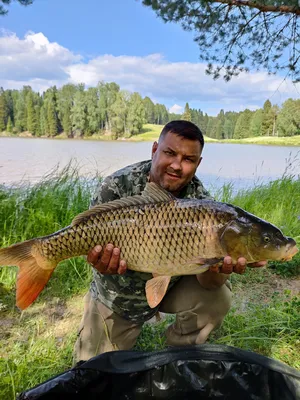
(24, 159)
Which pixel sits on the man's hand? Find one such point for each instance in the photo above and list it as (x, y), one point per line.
(212, 280)
(238, 268)
(106, 260)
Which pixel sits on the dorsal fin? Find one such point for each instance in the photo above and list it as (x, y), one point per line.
(152, 194)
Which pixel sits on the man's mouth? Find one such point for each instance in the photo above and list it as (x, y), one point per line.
(173, 176)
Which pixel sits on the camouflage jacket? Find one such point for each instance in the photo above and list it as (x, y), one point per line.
(125, 294)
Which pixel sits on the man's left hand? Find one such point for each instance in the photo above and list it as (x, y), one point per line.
(239, 268)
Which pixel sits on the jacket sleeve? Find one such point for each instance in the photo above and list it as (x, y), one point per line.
(106, 191)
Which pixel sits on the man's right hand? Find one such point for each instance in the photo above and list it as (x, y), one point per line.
(106, 260)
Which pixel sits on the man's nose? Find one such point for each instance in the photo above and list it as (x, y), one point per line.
(176, 164)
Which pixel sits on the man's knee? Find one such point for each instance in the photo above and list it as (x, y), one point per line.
(209, 307)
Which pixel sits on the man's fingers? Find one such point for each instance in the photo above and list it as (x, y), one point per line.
(240, 266)
(94, 254)
(113, 264)
(214, 268)
(227, 267)
(104, 258)
(122, 267)
(258, 264)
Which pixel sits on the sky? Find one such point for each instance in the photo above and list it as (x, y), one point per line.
(54, 42)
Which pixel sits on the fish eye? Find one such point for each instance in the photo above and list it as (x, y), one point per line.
(267, 239)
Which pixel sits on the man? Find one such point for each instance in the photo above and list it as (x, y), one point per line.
(116, 305)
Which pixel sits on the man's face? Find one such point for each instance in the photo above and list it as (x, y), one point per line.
(174, 162)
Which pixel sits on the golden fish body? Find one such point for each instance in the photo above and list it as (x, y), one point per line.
(167, 238)
(156, 233)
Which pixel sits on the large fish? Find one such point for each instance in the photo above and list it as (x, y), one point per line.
(156, 233)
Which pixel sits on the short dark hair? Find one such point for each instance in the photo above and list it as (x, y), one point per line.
(185, 129)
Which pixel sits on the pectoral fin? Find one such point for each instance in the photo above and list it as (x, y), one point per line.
(156, 288)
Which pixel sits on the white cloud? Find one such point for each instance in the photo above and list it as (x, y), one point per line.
(40, 63)
(176, 109)
(33, 59)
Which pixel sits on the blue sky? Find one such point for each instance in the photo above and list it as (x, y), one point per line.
(61, 41)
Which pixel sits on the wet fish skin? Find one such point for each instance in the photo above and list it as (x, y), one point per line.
(156, 233)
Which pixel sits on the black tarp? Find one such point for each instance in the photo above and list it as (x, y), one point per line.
(192, 372)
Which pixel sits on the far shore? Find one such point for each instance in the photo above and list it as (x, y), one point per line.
(150, 133)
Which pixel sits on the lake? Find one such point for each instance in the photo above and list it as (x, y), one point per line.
(25, 159)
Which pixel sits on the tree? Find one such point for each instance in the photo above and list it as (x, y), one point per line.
(31, 114)
(289, 118)
(3, 11)
(9, 126)
(92, 115)
(187, 116)
(65, 101)
(149, 110)
(220, 125)
(78, 113)
(256, 122)
(136, 114)
(3, 111)
(242, 125)
(267, 29)
(118, 114)
(267, 119)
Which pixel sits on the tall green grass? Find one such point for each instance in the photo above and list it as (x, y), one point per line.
(37, 343)
(32, 211)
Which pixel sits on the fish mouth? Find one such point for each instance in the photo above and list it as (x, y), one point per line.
(291, 250)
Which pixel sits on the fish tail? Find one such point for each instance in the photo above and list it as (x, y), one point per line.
(34, 270)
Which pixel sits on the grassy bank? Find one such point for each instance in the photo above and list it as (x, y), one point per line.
(37, 343)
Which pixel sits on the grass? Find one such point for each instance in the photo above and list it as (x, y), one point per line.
(37, 343)
(269, 140)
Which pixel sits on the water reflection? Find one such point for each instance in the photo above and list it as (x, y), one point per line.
(242, 165)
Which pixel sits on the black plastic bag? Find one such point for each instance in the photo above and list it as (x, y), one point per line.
(192, 372)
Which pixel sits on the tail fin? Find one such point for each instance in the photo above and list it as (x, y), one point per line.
(34, 270)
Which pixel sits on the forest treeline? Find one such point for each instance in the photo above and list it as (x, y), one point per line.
(81, 112)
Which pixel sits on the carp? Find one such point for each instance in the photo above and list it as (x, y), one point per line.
(156, 233)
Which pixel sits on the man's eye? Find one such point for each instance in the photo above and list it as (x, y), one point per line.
(168, 152)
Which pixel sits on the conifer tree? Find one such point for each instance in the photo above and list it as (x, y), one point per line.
(31, 114)
(149, 110)
(187, 113)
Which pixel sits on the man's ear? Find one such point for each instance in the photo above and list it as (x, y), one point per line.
(154, 148)
(199, 162)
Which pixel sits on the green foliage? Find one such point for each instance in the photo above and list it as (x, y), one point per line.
(3, 111)
(187, 113)
(241, 129)
(4, 11)
(256, 123)
(224, 29)
(149, 110)
(79, 114)
(108, 112)
(9, 126)
(289, 118)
